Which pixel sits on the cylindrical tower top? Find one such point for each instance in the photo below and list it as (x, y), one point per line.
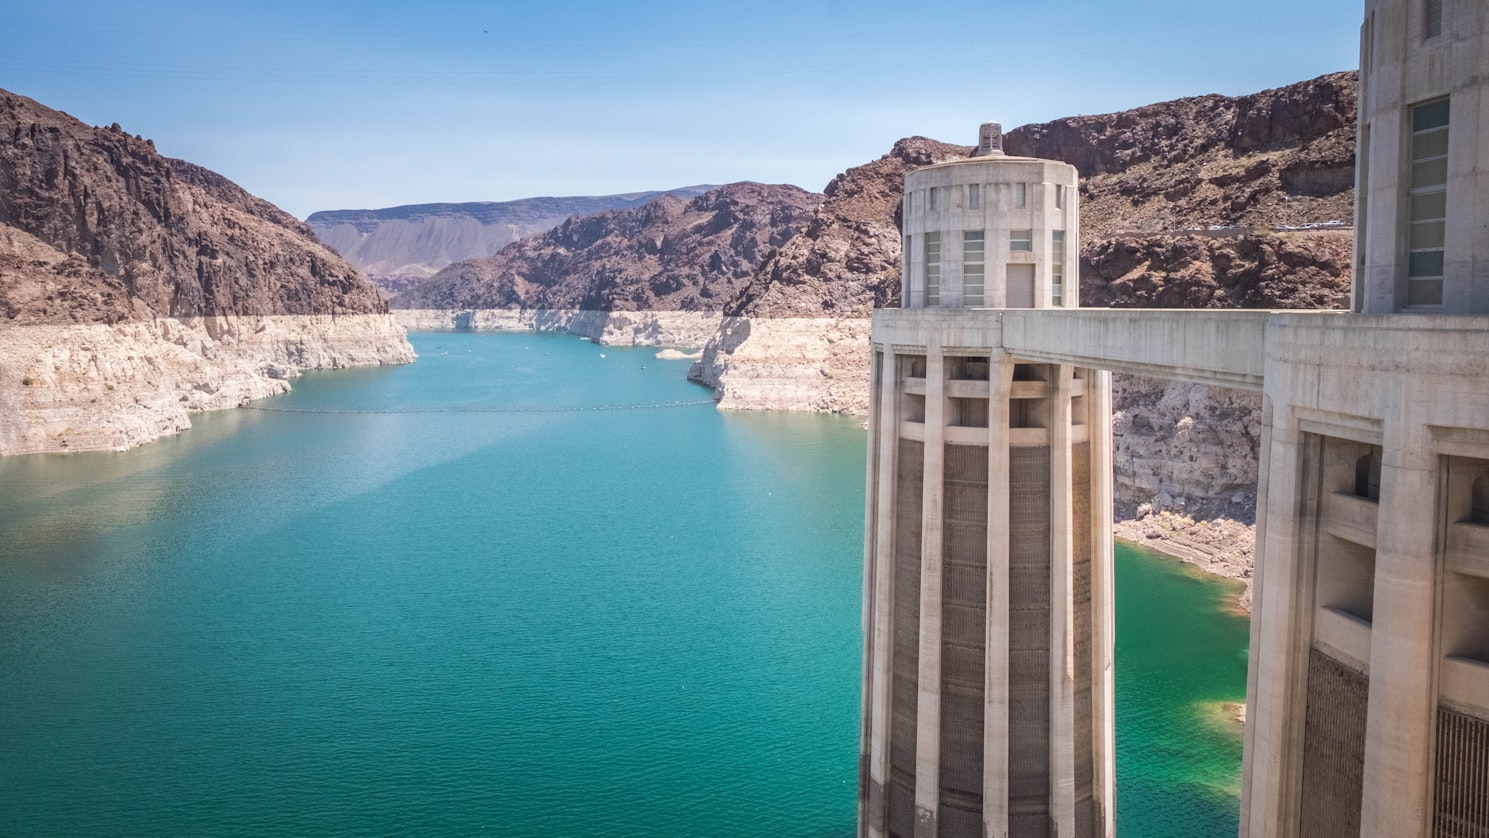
(991, 231)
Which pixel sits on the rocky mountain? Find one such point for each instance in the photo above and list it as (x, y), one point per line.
(400, 246)
(846, 261)
(667, 255)
(1218, 270)
(1278, 157)
(1190, 203)
(134, 288)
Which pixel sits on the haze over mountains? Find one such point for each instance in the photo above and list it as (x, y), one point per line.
(398, 246)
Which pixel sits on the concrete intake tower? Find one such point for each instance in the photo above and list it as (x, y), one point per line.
(987, 671)
(988, 691)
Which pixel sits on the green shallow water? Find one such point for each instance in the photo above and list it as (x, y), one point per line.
(566, 623)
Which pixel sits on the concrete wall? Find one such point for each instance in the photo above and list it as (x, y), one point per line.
(1368, 693)
(1401, 65)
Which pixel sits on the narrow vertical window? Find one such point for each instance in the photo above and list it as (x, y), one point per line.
(931, 198)
(1021, 240)
(932, 269)
(1021, 195)
(1427, 203)
(974, 196)
(1059, 196)
(907, 289)
(1434, 18)
(974, 250)
(1057, 268)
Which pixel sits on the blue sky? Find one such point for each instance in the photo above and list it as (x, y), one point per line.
(334, 105)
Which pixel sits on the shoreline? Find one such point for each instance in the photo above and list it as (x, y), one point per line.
(1219, 546)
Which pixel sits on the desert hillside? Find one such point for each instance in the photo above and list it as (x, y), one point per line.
(399, 247)
(135, 288)
(667, 255)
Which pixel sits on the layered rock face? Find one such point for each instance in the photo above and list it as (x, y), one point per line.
(668, 255)
(797, 334)
(846, 261)
(1205, 270)
(1179, 202)
(399, 247)
(98, 231)
(1278, 157)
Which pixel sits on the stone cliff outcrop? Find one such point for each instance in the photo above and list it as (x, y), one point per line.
(787, 343)
(1208, 270)
(1279, 157)
(667, 255)
(399, 247)
(1183, 204)
(846, 261)
(98, 231)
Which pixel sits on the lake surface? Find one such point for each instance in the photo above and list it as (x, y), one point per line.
(480, 599)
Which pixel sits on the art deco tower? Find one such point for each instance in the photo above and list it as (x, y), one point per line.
(988, 597)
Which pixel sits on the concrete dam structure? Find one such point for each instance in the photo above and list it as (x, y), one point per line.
(987, 701)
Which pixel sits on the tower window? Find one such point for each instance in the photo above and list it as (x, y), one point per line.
(974, 273)
(1057, 268)
(909, 293)
(1021, 195)
(931, 197)
(1059, 196)
(1021, 240)
(1427, 201)
(932, 269)
(974, 196)
(1434, 18)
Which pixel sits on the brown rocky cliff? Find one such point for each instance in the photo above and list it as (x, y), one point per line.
(1282, 156)
(179, 239)
(667, 255)
(846, 262)
(1197, 270)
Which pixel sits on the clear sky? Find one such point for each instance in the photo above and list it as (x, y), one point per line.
(337, 105)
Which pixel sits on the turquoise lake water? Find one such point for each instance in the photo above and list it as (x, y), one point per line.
(528, 622)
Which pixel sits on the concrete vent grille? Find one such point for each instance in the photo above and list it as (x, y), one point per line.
(1462, 806)
(963, 638)
(909, 487)
(1029, 642)
(1333, 748)
(1434, 18)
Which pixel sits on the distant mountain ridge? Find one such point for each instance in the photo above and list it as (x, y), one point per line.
(668, 254)
(399, 246)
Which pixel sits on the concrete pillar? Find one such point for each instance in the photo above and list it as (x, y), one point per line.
(1277, 676)
(1400, 724)
(928, 719)
(1104, 632)
(1062, 629)
(995, 686)
(886, 433)
(866, 617)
